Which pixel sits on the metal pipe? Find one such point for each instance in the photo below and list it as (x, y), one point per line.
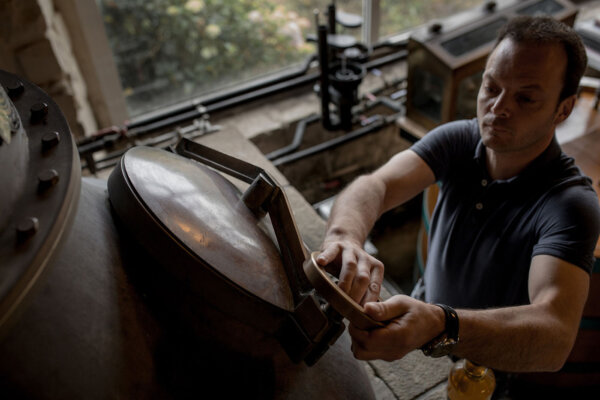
(224, 95)
(180, 115)
(303, 123)
(230, 102)
(298, 137)
(333, 143)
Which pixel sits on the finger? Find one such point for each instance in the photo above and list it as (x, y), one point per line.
(374, 286)
(371, 345)
(358, 334)
(360, 353)
(394, 307)
(328, 255)
(361, 279)
(348, 271)
(361, 340)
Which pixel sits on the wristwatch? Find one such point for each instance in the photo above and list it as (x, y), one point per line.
(443, 344)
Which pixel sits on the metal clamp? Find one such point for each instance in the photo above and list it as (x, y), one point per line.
(311, 330)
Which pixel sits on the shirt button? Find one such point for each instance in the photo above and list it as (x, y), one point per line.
(479, 206)
(484, 182)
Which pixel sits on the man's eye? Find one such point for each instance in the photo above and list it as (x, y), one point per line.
(525, 99)
(491, 89)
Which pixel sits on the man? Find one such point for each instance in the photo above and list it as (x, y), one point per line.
(513, 233)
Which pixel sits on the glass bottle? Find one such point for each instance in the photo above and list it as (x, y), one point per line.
(470, 381)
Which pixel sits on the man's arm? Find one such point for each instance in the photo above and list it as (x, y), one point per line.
(534, 337)
(355, 212)
(540, 335)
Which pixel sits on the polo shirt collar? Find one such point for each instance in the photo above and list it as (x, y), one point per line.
(535, 168)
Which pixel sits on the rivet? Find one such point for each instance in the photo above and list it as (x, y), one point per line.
(47, 179)
(435, 28)
(49, 140)
(15, 88)
(490, 6)
(38, 111)
(27, 228)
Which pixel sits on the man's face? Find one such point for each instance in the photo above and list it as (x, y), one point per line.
(517, 105)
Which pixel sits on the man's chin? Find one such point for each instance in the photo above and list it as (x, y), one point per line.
(493, 142)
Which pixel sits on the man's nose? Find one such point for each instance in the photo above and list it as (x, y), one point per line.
(501, 105)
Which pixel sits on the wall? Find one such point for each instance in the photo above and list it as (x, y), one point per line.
(35, 43)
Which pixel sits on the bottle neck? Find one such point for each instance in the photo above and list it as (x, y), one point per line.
(474, 370)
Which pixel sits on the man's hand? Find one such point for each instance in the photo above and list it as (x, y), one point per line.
(360, 274)
(410, 324)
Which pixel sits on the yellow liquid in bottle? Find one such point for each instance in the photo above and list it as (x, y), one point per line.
(469, 381)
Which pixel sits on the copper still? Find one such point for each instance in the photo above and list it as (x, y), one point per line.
(164, 282)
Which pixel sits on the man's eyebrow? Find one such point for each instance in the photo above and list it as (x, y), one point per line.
(488, 75)
(533, 86)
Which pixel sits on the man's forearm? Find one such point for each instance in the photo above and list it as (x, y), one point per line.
(534, 337)
(356, 210)
(359, 206)
(514, 339)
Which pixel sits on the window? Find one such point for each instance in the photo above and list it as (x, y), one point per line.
(169, 51)
(399, 16)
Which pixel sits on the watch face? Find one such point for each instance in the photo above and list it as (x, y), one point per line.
(442, 348)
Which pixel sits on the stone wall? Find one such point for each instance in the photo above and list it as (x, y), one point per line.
(35, 44)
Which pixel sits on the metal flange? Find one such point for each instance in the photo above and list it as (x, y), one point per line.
(40, 180)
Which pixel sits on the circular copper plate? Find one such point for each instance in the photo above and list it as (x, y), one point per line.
(203, 211)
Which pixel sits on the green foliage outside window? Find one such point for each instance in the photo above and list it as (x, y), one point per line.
(171, 50)
(401, 15)
(178, 48)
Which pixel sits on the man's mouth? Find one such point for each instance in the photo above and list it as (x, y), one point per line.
(496, 127)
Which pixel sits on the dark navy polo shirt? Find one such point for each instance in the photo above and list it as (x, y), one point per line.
(484, 232)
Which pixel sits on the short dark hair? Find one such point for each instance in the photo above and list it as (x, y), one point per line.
(547, 30)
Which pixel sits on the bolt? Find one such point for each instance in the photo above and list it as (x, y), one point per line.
(47, 179)
(49, 140)
(38, 111)
(435, 28)
(27, 228)
(490, 6)
(15, 88)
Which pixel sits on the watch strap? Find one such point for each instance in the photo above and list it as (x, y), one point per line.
(451, 328)
(444, 343)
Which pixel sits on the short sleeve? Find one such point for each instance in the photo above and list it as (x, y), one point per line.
(447, 145)
(569, 227)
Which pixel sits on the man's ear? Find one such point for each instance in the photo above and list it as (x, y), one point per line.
(564, 109)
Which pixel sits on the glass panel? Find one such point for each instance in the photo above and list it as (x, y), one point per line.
(545, 7)
(466, 97)
(427, 96)
(397, 16)
(473, 39)
(168, 51)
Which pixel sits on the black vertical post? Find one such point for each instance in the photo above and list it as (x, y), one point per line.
(324, 64)
(331, 17)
